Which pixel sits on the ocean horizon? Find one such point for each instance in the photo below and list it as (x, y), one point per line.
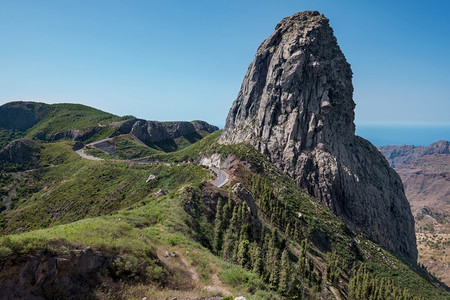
(382, 135)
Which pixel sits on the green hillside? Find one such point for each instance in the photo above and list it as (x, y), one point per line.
(64, 117)
(260, 236)
(66, 121)
(48, 120)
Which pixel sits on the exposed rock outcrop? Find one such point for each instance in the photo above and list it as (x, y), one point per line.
(295, 106)
(20, 154)
(51, 277)
(153, 131)
(204, 126)
(149, 131)
(73, 134)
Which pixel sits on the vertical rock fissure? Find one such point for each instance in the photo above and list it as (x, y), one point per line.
(296, 106)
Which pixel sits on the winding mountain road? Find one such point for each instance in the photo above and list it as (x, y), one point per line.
(222, 177)
(84, 155)
(81, 153)
(221, 180)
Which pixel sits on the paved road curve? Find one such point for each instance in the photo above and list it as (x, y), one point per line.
(222, 177)
(81, 153)
(84, 155)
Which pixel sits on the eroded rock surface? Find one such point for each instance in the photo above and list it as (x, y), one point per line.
(51, 277)
(20, 154)
(153, 131)
(295, 106)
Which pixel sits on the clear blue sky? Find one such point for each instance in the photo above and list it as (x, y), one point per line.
(185, 60)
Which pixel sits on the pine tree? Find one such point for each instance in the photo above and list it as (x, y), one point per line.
(274, 271)
(244, 212)
(257, 260)
(227, 213)
(302, 258)
(285, 273)
(228, 249)
(243, 253)
(352, 288)
(273, 258)
(243, 233)
(218, 228)
(311, 269)
(296, 230)
(287, 231)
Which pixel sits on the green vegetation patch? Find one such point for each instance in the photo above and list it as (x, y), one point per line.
(7, 135)
(67, 188)
(65, 117)
(127, 148)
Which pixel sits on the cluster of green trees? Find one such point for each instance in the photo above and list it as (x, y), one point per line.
(239, 239)
(244, 239)
(277, 211)
(335, 268)
(364, 285)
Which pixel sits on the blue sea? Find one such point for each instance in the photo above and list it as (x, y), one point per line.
(381, 135)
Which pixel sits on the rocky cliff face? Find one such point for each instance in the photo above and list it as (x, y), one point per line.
(51, 277)
(153, 131)
(295, 106)
(19, 154)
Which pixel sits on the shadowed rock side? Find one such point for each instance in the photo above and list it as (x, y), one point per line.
(295, 106)
(21, 115)
(153, 131)
(52, 277)
(19, 155)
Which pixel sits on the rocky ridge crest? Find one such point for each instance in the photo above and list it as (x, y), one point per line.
(153, 131)
(406, 153)
(295, 106)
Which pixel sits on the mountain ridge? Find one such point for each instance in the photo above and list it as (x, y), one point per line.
(295, 106)
(405, 153)
(67, 121)
(425, 172)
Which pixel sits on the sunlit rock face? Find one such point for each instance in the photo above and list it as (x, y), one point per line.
(295, 106)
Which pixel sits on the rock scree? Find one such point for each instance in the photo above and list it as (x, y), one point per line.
(295, 106)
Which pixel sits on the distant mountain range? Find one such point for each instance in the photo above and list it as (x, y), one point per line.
(425, 172)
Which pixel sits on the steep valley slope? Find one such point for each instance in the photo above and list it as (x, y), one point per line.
(425, 172)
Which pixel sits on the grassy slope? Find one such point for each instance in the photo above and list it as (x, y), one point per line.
(126, 147)
(67, 188)
(380, 261)
(145, 225)
(130, 231)
(63, 117)
(162, 223)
